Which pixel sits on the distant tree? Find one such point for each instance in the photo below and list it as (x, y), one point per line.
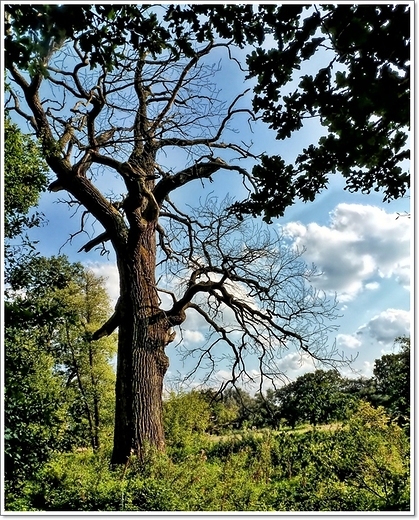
(315, 397)
(132, 83)
(362, 388)
(286, 399)
(234, 408)
(244, 404)
(392, 378)
(266, 410)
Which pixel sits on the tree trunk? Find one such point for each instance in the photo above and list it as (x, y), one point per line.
(142, 362)
(96, 414)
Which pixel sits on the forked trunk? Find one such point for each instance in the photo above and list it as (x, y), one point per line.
(142, 362)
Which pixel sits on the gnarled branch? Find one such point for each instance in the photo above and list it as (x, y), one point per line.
(103, 237)
(197, 171)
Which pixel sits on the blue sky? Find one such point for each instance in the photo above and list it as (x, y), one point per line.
(357, 241)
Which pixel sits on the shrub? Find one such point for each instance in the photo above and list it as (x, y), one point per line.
(361, 466)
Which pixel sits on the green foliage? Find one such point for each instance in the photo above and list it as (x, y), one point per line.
(376, 457)
(361, 96)
(224, 414)
(186, 418)
(59, 385)
(25, 177)
(392, 377)
(318, 397)
(86, 364)
(362, 465)
(34, 293)
(240, 405)
(35, 406)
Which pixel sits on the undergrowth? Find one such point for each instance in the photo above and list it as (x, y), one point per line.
(360, 466)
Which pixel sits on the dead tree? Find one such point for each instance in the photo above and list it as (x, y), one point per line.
(96, 124)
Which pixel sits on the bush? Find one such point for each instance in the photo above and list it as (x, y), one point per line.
(363, 465)
(186, 417)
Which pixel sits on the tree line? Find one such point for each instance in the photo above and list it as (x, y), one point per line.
(315, 398)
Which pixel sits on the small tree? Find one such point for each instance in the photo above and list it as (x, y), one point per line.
(56, 305)
(392, 378)
(86, 364)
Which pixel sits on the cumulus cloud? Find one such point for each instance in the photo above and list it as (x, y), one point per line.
(360, 243)
(383, 329)
(294, 364)
(386, 326)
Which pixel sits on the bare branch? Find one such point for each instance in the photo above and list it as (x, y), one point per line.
(253, 292)
(197, 171)
(103, 237)
(108, 327)
(210, 141)
(179, 85)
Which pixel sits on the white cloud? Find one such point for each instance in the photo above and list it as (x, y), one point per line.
(360, 243)
(347, 341)
(383, 329)
(386, 326)
(372, 286)
(294, 364)
(192, 336)
(110, 273)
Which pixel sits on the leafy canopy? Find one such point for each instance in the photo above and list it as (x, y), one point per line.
(25, 177)
(360, 92)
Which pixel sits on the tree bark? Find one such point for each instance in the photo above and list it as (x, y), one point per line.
(142, 362)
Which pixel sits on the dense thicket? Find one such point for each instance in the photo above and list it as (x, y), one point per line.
(360, 465)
